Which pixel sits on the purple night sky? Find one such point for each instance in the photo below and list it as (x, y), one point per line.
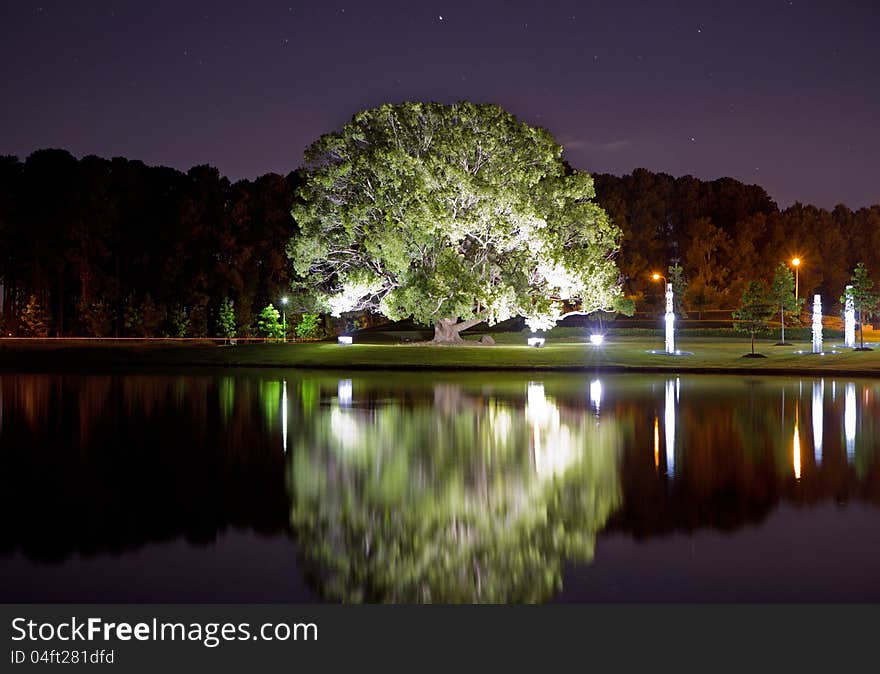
(781, 93)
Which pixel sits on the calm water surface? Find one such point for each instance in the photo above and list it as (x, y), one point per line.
(262, 486)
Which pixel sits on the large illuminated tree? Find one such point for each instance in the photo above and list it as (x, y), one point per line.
(451, 215)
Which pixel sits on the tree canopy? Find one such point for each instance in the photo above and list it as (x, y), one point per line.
(451, 215)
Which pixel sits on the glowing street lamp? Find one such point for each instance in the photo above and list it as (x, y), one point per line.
(796, 263)
(284, 318)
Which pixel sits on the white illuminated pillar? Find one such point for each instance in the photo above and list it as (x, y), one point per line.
(818, 418)
(669, 427)
(849, 420)
(670, 321)
(817, 324)
(849, 318)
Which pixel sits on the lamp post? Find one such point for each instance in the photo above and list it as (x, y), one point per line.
(284, 319)
(796, 263)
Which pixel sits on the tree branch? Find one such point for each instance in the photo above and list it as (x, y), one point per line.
(464, 325)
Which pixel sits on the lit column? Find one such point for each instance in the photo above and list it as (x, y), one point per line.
(849, 318)
(670, 321)
(817, 324)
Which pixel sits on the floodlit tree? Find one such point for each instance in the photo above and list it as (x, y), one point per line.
(451, 215)
(269, 323)
(226, 319)
(865, 300)
(782, 295)
(35, 318)
(754, 312)
(309, 326)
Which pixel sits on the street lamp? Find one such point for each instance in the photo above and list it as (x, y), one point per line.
(284, 319)
(796, 263)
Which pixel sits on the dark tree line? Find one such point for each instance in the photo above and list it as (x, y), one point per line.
(725, 234)
(116, 248)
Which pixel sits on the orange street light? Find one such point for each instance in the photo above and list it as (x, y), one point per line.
(796, 262)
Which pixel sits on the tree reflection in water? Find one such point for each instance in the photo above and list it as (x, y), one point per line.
(459, 498)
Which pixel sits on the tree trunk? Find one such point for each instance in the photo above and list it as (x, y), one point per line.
(782, 321)
(448, 330)
(861, 331)
(753, 343)
(445, 332)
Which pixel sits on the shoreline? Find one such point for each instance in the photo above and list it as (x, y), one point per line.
(623, 356)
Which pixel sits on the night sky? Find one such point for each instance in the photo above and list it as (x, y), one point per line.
(781, 93)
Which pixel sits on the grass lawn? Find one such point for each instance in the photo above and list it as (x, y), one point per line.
(709, 354)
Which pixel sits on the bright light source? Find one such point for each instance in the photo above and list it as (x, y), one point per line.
(796, 261)
(283, 300)
(597, 340)
(344, 339)
(536, 341)
(656, 277)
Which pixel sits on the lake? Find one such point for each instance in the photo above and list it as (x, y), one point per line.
(293, 486)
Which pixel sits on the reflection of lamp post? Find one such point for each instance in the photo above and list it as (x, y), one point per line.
(284, 319)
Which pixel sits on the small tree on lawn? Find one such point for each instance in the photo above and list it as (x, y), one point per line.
(226, 319)
(754, 312)
(782, 295)
(269, 323)
(309, 326)
(865, 300)
(675, 274)
(34, 318)
(179, 322)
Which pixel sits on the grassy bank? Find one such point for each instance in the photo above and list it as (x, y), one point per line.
(709, 354)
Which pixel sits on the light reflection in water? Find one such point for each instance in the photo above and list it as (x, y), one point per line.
(552, 444)
(669, 426)
(284, 413)
(796, 450)
(343, 392)
(849, 420)
(656, 443)
(596, 394)
(452, 494)
(818, 418)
